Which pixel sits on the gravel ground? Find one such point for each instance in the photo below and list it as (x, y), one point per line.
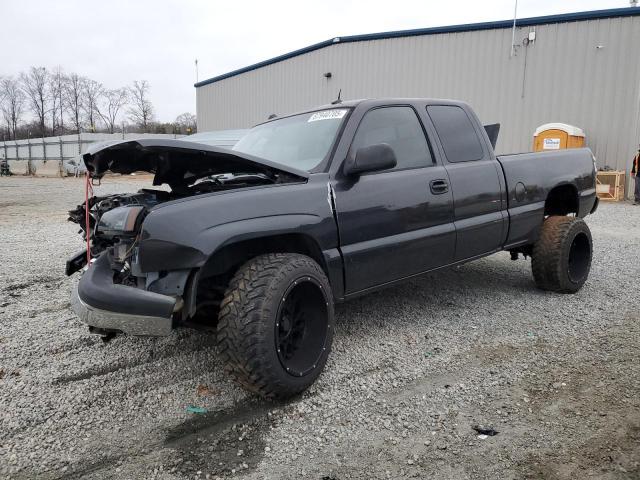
(414, 368)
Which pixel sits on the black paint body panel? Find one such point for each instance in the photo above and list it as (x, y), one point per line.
(538, 174)
(392, 226)
(201, 225)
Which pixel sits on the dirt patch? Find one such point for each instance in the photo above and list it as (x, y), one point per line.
(222, 442)
(48, 282)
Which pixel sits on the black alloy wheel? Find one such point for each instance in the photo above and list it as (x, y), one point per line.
(301, 326)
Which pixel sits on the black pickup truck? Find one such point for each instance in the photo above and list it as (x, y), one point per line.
(259, 241)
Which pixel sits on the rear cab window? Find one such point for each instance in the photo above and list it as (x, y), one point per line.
(456, 132)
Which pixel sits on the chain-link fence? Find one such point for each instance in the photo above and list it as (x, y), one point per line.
(57, 156)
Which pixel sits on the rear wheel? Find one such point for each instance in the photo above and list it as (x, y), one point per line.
(562, 255)
(276, 323)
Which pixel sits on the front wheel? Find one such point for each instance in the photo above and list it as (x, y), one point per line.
(562, 255)
(276, 324)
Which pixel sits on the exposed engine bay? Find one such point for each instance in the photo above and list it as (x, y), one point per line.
(114, 221)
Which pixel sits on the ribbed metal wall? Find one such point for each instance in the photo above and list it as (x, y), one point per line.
(585, 73)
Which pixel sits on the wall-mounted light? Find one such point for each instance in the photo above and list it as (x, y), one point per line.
(327, 75)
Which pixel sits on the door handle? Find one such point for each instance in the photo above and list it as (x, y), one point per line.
(438, 186)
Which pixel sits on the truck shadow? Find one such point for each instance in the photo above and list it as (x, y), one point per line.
(448, 292)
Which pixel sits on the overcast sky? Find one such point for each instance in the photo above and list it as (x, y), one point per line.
(116, 42)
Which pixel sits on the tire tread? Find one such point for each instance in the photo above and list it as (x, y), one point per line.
(547, 263)
(241, 324)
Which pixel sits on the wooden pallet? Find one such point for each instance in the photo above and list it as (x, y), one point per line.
(610, 186)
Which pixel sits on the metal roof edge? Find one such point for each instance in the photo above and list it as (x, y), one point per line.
(467, 27)
(264, 63)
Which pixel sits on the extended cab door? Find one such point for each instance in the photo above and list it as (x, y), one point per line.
(398, 222)
(476, 181)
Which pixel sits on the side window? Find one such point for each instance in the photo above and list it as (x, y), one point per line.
(457, 135)
(400, 128)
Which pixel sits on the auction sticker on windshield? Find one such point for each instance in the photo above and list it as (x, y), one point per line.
(327, 115)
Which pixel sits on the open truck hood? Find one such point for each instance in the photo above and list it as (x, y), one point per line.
(177, 162)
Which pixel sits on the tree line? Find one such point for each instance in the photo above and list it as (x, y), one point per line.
(41, 103)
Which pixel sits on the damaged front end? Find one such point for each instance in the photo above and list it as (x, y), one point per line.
(112, 222)
(115, 293)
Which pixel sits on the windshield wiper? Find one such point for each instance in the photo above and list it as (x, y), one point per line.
(248, 178)
(230, 178)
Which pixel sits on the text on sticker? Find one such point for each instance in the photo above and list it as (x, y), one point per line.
(327, 115)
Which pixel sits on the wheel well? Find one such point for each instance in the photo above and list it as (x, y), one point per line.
(561, 200)
(216, 273)
(230, 257)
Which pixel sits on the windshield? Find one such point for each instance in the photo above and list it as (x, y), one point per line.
(301, 141)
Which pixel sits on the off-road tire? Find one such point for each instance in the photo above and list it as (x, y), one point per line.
(247, 323)
(550, 263)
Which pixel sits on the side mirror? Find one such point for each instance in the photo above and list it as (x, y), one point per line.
(371, 159)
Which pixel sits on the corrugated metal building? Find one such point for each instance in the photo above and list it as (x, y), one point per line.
(581, 68)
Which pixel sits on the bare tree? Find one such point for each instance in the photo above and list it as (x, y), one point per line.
(109, 107)
(186, 122)
(74, 98)
(35, 86)
(12, 103)
(141, 111)
(92, 92)
(56, 92)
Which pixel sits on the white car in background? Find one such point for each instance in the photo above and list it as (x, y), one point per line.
(74, 167)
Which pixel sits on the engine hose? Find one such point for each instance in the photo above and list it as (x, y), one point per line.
(87, 225)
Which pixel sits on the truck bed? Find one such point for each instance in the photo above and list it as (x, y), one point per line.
(530, 178)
